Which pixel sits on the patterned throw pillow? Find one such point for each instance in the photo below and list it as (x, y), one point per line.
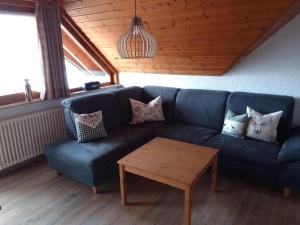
(89, 126)
(263, 127)
(235, 125)
(142, 112)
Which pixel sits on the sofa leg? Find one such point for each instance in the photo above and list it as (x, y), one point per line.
(96, 189)
(286, 192)
(58, 173)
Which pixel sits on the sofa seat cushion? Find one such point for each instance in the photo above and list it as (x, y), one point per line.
(69, 156)
(247, 150)
(261, 174)
(187, 133)
(153, 126)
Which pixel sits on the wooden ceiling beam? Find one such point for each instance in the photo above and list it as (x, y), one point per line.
(79, 53)
(85, 42)
(286, 16)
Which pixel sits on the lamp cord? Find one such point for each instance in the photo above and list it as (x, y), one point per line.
(135, 55)
(135, 8)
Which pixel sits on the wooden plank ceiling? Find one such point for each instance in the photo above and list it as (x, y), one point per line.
(75, 54)
(200, 37)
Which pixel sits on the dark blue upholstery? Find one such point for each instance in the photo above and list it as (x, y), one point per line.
(238, 101)
(264, 175)
(153, 126)
(123, 96)
(289, 155)
(187, 133)
(201, 107)
(70, 124)
(194, 116)
(85, 161)
(168, 96)
(290, 150)
(92, 103)
(289, 175)
(249, 151)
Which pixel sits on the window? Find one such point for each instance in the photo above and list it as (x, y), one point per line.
(20, 56)
(77, 77)
(80, 66)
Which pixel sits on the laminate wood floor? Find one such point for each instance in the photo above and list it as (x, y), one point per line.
(37, 196)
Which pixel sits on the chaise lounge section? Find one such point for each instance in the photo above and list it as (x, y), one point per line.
(194, 116)
(93, 163)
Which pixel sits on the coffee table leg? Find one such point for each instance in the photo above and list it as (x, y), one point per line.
(123, 185)
(214, 170)
(187, 206)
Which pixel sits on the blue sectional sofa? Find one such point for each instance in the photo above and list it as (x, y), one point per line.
(194, 116)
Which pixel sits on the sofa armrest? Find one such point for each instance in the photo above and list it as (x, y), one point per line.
(290, 150)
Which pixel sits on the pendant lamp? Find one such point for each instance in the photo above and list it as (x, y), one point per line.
(136, 43)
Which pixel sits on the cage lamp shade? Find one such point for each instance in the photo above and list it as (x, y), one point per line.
(136, 43)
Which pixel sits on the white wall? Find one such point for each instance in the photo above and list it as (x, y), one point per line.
(272, 68)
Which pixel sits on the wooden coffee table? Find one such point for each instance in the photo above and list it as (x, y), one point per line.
(171, 162)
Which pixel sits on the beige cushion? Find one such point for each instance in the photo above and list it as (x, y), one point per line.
(263, 127)
(142, 112)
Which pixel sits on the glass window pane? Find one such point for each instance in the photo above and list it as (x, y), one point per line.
(78, 77)
(20, 56)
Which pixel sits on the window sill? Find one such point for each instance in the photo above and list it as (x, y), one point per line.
(19, 104)
(74, 92)
(22, 108)
(79, 91)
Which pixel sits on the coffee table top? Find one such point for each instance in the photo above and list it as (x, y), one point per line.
(169, 161)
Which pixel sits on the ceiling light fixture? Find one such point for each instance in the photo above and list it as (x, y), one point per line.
(136, 43)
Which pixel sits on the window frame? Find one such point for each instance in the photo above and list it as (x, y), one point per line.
(78, 56)
(17, 8)
(17, 98)
(70, 26)
(28, 7)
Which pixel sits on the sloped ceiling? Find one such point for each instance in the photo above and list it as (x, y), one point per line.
(201, 37)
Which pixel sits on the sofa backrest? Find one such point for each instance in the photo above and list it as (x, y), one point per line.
(145, 95)
(168, 96)
(90, 103)
(265, 104)
(122, 96)
(201, 107)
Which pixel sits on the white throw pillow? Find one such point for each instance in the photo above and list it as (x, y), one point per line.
(142, 112)
(89, 126)
(235, 125)
(263, 127)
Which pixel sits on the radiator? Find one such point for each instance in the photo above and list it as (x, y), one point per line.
(23, 137)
